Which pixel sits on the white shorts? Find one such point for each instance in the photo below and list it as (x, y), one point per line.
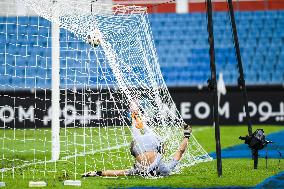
(160, 169)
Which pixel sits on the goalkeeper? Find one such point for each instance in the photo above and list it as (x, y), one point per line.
(148, 151)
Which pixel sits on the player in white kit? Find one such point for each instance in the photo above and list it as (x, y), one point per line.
(148, 151)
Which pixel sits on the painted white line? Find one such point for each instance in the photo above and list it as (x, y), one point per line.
(200, 129)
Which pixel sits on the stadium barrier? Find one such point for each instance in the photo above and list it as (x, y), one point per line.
(266, 106)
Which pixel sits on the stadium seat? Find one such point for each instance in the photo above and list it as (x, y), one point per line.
(264, 77)
(277, 76)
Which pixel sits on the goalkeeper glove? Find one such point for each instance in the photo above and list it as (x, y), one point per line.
(187, 131)
(136, 117)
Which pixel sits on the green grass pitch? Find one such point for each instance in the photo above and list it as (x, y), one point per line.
(236, 172)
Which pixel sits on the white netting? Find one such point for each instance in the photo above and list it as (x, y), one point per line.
(97, 86)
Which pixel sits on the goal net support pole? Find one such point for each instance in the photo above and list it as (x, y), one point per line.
(212, 82)
(241, 79)
(55, 82)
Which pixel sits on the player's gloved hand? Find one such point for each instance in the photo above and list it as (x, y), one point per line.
(187, 131)
(139, 124)
(134, 114)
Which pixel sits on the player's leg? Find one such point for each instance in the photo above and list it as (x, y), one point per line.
(137, 121)
(148, 130)
(135, 132)
(124, 172)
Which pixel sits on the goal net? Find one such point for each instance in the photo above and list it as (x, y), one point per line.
(90, 89)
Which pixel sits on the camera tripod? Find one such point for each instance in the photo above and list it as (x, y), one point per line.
(212, 81)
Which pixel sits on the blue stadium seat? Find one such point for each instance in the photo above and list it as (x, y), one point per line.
(264, 77)
(3, 20)
(277, 77)
(23, 21)
(279, 67)
(259, 14)
(11, 20)
(251, 77)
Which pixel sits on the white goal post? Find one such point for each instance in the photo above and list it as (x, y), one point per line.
(64, 103)
(55, 83)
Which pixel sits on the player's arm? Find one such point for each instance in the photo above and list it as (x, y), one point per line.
(183, 145)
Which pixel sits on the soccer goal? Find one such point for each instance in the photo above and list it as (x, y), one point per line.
(65, 100)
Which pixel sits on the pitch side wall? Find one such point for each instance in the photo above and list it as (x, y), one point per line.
(266, 105)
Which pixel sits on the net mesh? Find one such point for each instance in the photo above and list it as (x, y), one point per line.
(97, 86)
